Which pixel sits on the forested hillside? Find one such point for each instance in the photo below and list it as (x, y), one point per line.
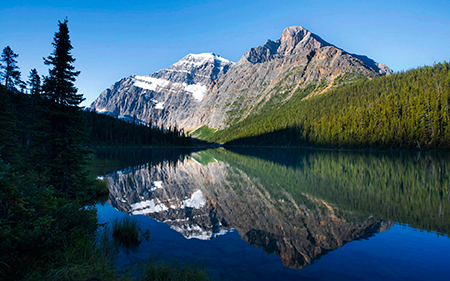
(409, 109)
(46, 190)
(45, 187)
(110, 131)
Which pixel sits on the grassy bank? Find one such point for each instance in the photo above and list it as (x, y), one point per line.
(93, 259)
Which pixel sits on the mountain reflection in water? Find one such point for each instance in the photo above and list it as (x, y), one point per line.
(296, 204)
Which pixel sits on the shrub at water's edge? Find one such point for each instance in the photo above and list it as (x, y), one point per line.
(160, 271)
(86, 259)
(90, 258)
(101, 187)
(126, 231)
(46, 194)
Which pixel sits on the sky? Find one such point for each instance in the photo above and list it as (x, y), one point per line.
(115, 39)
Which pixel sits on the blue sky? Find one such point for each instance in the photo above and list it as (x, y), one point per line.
(114, 39)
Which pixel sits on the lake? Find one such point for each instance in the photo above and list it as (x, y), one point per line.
(286, 213)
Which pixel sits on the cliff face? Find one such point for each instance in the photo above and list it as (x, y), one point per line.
(164, 97)
(208, 90)
(275, 72)
(206, 200)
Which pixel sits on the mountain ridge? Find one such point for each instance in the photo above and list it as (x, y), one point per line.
(206, 89)
(153, 98)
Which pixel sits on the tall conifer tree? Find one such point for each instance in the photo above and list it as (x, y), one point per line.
(34, 82)
(68, 127)
(59, 86)
(11, 72)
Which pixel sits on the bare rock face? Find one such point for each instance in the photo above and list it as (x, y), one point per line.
(278, 70)
(208, 90)
(166, 96)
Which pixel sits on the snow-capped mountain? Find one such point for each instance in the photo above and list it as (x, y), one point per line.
(206, 89)
(165, 96)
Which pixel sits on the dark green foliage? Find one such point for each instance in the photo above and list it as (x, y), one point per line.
(66, 151)
(7, 125)
(126, 231)
(39, 220)
(159, 271)
(34, 82)
(58, 86)
(204, 132)
(101, 187)
(66, 127)
(90, 259)
(45, 190)
(44, 185)
(34, 223)
(109, 131)
(11, 73)
(86, 259)
(404, 110)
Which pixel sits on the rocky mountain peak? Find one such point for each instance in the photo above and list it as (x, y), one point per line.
(192, 61)
(206, 89)
(294, 32)
(295, 40)
(261, 54)
(167, 95)
(195, 68)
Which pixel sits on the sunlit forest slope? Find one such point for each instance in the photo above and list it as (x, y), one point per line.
(409, 109)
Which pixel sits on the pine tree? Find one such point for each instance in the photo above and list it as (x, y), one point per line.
(11, 73)
(7, 125)
(58, 86)
(34, 82)
(67, 130)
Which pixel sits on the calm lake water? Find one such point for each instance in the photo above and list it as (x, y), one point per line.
(286, 214)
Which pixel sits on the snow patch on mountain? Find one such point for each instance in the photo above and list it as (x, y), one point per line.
(158, 104)
(154, 84)
(149, 83)
(197, 60)
(196, 201)
(101, 110)
(198, 91)
(147, 207)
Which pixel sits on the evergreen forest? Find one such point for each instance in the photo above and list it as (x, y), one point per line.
(47, 220)
(106, 130)
(409, 109)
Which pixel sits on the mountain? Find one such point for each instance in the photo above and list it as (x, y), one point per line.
(206, 89)
(407, 110)
(166, 96)
(271, 74)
